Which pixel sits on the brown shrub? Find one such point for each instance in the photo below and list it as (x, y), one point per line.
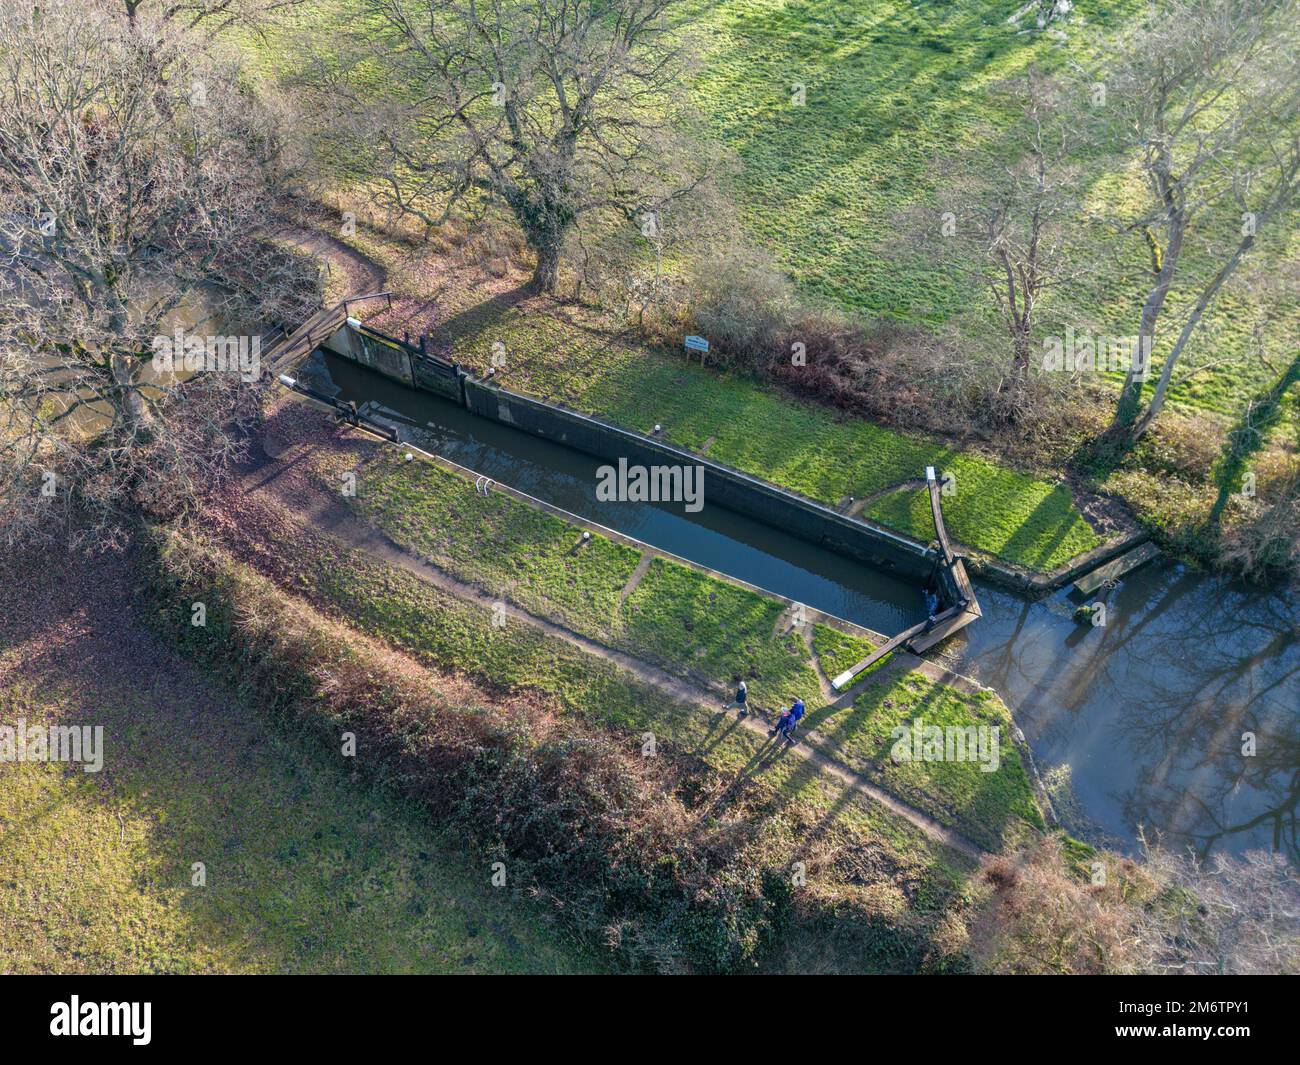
(580, 820)
(1043, 909)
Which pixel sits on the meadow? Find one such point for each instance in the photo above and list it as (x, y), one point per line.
(307, 868)
(840, 119)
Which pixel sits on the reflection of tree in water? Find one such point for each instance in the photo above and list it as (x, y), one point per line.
(1229, 668)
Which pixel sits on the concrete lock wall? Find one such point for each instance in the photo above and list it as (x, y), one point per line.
(730, 488)
(397, 360)
(433, 378)
(727, 487)
(384, 358)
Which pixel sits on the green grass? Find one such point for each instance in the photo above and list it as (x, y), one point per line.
(532, 557)
(449, 633)
(985, 806)
(838, 651)
(1005, 513)
(719, 630)
(307, 871)
(689, 622)
(892, 87)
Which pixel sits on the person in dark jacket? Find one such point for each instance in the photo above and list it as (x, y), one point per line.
(782, 723)
(789, 721)
(741, 701)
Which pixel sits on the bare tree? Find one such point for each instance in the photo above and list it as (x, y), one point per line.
(1206, 96)
(211, 15)
(555, 109)
(1229, 915)
(1008, 230)
(125, 205)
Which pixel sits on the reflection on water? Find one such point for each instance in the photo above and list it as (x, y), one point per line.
(1151, 714)
(1145, 717)
(203, 310)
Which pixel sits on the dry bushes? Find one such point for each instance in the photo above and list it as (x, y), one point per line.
(898, 375)
(579, 820)
(1047, 909)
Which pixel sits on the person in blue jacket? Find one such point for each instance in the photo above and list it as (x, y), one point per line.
(796, 715)
(789, 721)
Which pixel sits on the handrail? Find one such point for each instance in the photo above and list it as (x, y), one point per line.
(369, 296)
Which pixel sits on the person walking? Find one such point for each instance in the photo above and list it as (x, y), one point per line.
(741, 701)
(795, 713)
(788, 721)
(782, 724)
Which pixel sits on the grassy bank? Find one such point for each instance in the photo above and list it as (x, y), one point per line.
(583, 362)
(991, 802)
(738, 811)
(688, 622)
(308, 869)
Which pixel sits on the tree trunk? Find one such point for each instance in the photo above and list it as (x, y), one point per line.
(546, 274)
(1130, 397)
(132, 413)
(1011, 391)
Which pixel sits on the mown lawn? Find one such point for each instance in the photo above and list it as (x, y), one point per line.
(1001, 511)
(523, 553)
(837, 651)
(689, 622)
(895, 87)
(1011, 515)
(453, 634)
(984, 806)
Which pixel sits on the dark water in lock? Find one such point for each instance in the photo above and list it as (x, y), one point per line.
(714, 536)
(1140, 722)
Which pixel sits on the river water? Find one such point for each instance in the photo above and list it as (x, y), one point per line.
(1179, 717)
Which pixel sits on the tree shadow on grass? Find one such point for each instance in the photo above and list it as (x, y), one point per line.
(1248, 437)
(474, 320)
(1039, 535)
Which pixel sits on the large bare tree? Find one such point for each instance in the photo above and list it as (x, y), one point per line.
(1007, 227)
(554, 109)
(130, 206)
(1205, 96)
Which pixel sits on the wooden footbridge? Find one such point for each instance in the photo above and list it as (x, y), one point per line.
(962, 608)
(297, 345)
